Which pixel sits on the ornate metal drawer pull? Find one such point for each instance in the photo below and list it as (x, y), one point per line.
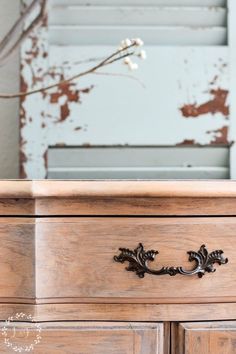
(139, 258)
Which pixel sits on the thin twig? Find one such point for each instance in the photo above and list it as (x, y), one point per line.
(13, 31)
(120, 75)
(68, 65)
(111, 61)
(118, 55)
(5, 41)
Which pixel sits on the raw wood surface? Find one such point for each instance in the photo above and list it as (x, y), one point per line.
(60, 269)
(155, 198)
(81, 250)
(116, 188)
(89, 338)
(204, 338)
(17, 272)
(15, 189)
(118, 206)
(122, 312)
(129, 188)
(75, 259)
(17, 206)
(135, 312)
(136, 206)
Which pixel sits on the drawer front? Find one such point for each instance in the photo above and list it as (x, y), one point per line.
(85, 338)
(204, 337)
(17, 261)
(75, 259)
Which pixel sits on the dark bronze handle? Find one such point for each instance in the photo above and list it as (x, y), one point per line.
(138, 262)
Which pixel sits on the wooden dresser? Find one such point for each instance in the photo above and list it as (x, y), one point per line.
(118, 267)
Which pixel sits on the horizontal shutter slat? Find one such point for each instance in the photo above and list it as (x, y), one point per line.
(158, 22)
(155, 173)
(110, 35)
(159, 16)
(152, 163)
(142, 2)
(124, 157)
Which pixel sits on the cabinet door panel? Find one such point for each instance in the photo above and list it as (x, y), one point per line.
(204, 338)
(86, 338)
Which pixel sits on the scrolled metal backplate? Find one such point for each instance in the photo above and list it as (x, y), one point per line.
(138, 262)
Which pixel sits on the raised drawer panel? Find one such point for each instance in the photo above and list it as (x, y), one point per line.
(75, 261)
(17, 259)
(89, 338)
(204, 338)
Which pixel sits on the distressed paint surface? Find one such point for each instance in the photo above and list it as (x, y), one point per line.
(216, 105)
(185, 100)
(34, 109)
(232, 44)
(130, 114)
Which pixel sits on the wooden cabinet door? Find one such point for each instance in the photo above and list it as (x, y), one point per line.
(83, 338)
(204, 338)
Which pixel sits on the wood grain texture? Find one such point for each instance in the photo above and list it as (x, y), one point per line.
(17, 278)
(135, 312)
(90, 338)
(134, 188)
(204, 338)
(16, 207)
(81, 250)
(156, 198)
(116, 188)
(136, 206)
(122, 312)
(118, 206)
(15, 189)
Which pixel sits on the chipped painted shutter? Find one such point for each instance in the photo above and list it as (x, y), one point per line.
(158, 22)
(186, 77)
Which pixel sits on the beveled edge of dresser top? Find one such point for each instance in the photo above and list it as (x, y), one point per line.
(117, 197)
(33, 189)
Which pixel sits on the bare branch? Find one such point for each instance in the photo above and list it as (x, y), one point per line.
(12, 40)
(116, 56)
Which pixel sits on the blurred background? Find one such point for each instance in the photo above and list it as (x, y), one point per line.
(175, 120)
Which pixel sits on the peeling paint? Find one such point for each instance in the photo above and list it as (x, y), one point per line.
(33, 108)
(187, 142)
(125, 114)
(214, 81)
(218, 104)
(37, 116)
(66, 93)
(220, 135)
(23, 159)
(45, 158)
(60, 144)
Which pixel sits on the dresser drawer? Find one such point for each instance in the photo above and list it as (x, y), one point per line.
(84, 338)
(75, 260)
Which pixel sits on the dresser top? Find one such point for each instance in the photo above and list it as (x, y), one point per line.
(117, 188)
